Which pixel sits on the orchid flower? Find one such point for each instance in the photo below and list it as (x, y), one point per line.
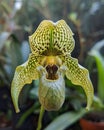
(50, 61)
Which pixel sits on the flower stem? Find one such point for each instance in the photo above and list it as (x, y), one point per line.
(40, 118)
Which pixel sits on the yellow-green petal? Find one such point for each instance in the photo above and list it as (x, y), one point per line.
(52, 38)
(79, 76)
(24, 74)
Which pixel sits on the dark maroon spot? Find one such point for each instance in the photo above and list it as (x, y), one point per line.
(52, 71)
(54, 68)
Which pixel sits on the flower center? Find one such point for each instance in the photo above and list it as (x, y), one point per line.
(52, 72)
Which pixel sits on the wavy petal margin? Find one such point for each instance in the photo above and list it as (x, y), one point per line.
(79, 76)
(24, 74)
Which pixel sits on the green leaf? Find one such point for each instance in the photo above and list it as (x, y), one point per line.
(100, 67)
(65, 120)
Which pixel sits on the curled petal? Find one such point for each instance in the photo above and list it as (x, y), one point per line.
(79, 76)
(24, 74)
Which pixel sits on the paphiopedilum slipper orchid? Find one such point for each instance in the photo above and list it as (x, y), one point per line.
(50, 60)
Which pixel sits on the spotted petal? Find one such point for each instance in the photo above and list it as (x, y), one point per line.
(52, 38)
(24, 74)
(79, 76)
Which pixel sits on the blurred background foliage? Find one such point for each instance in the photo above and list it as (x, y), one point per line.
(18, 20)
